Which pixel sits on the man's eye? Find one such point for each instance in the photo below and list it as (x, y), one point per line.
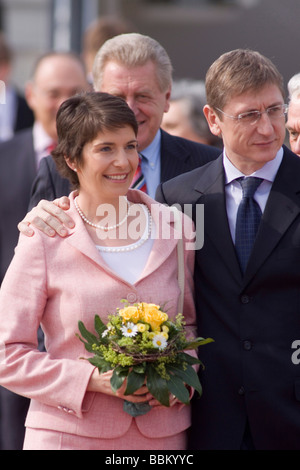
(294, 135)
(252, 115)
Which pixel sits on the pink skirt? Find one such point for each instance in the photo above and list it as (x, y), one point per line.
(40, 439)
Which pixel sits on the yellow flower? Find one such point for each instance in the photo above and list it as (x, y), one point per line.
(141, 327)
(131, 313)
(153, 316)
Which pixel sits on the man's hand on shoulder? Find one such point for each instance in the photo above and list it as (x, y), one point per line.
(49, 217)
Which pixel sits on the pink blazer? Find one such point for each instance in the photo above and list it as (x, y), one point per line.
(56, 282)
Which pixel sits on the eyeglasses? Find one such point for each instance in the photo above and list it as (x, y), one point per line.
(252, 117)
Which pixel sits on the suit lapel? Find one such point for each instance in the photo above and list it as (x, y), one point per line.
(283, 206)
(166, 238)
(172, 158)
(216, 226)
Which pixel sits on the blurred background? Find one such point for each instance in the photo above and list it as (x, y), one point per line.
(194, 32)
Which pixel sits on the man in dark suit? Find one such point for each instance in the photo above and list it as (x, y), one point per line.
(15, 114)
(137, 68)
(56, 77)
(249, 303)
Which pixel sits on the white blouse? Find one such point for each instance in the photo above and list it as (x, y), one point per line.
(129, 262)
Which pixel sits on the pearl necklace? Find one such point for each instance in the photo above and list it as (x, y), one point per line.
(101, 227)
(134, 246)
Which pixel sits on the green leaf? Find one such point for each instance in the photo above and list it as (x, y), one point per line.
(188, 375)
(101, 363)
(157, 386)
(140, 368)
(188, 359)
(134, 382)
(178, 388)
(198, 342)
(118, 377)
(87, 335)
(88, 346)
(100, 327)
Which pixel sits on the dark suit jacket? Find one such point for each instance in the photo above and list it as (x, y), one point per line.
(177, 156)
(24, 115)
(17, 173)
(254, 319)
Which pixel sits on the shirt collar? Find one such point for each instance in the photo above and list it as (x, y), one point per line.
(152, 152)
(41, 139)
(267, 172)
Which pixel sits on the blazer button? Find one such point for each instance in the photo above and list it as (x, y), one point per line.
(245, 299)
(131, 297)
(247, 345)
(241, 391)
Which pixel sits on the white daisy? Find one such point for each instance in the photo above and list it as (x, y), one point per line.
(130, 329)
(159, 341)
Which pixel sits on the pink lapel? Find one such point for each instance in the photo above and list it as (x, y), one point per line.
(165, 242)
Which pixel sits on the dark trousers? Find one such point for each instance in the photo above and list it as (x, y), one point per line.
(13, 411)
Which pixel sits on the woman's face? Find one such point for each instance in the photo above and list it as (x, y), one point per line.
(108, 164)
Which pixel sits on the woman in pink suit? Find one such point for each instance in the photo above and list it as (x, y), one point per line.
(56, 282)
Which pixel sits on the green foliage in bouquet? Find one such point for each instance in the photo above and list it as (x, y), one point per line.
(142, 345)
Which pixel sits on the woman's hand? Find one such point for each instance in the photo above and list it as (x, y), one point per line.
(49, 217)
(101, 383)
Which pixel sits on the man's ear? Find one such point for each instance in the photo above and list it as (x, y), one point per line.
(213, 120)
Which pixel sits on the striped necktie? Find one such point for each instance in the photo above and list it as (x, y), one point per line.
(248, 219)
(139, 181)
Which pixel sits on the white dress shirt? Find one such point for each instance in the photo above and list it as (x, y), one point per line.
(151, 164)
(233, 189)
(8, 114)
(41, 141)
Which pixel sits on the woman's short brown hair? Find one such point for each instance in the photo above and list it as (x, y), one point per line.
(80, 119)
(237, 72)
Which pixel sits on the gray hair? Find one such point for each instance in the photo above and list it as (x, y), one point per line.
(132, 50)
(294, 87)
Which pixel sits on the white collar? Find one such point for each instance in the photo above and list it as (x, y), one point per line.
(267, 172)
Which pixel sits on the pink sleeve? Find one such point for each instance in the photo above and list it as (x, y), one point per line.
(23, 369)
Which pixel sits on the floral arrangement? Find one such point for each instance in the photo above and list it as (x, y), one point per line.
(142, 345)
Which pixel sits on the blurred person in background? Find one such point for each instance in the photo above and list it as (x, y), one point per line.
(293, 121)
(15, 113)
(185, 117)
(97, 33)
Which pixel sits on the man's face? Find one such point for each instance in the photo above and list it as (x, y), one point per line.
(250, 146)
(138, 86)
(293, 125)
(57, 79)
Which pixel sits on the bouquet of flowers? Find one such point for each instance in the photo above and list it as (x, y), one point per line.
(142, 345)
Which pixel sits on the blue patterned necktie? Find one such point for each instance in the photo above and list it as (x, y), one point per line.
(139, 181)
(248, 219)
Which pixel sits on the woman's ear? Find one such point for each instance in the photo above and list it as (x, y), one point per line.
(71, 164)
(213, 120)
